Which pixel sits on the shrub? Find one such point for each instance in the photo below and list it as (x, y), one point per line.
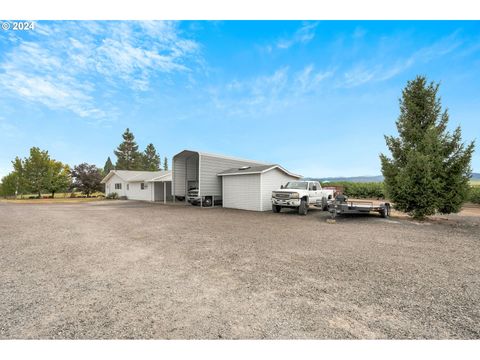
(474, 195)
(112, 196)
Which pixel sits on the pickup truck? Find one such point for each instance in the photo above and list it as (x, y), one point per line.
(300, 195)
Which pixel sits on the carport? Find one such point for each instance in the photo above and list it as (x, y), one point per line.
(195, 175)
(162, 188)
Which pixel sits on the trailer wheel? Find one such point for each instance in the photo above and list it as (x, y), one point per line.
(303, 209)
(276, 208)
(385, 212)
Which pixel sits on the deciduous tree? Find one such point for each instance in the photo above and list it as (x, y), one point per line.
(87, 178)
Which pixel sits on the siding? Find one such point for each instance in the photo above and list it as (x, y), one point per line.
(271, 180)
(210, 166)
(184, 168)
(110, 186)
(242, 192)
(136, 193)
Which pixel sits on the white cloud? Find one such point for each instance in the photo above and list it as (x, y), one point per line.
(267, 94)
(362, 73)
(68, 65)
(303, 35)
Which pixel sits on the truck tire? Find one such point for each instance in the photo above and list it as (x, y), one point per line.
(303, 208)
(276, 208)
(324, 204)
(207, 202)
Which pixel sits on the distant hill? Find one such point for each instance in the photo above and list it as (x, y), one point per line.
(364, 179)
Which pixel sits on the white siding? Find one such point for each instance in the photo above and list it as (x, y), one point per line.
(110, 186)
(135, 191)
(210, 166)
(184, 168)
(272, 180)
(178, 176)
(242, 192)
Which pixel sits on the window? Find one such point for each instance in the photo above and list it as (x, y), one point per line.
(128, 186)
(118, 186)
(311, 186)
(142, 186)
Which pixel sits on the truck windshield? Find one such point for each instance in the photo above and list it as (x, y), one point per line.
(296, 185)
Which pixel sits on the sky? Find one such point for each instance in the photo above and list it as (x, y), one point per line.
(316, 97)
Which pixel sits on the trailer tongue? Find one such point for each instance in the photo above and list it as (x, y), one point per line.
(342, 205)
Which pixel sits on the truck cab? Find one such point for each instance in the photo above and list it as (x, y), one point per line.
(301, 195)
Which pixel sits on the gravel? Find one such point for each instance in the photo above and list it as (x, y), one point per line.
(133, 270)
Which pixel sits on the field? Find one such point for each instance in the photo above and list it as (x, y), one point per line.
(126, 269)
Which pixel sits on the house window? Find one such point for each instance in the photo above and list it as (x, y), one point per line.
(118, 186)
(142, 186)
(128, 186)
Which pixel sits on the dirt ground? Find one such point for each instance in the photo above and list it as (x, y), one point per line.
(125, 269)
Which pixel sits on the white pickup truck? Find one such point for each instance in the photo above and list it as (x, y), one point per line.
(300, 195)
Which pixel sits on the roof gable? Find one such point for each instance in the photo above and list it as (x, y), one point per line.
(249, 170)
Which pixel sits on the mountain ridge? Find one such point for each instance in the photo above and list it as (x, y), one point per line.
(363, 179)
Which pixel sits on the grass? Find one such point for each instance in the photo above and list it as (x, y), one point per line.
(59, 198)
(50, 201)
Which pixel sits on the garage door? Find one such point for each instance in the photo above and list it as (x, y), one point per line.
(242, 192)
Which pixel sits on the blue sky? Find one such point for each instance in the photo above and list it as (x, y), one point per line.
(316, 97)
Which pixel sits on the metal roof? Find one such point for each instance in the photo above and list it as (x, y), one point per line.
(202, 153)
(249, 170)
(137, 176)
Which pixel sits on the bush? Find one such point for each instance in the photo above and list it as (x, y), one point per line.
(474, 195)
(112, 196)
(371, 190)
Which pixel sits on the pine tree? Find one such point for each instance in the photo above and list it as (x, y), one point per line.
(165, 164)
(108, 166)
(128, 157)
(429, 169)
(151, 160)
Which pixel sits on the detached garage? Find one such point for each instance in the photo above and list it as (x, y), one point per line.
(250, 187)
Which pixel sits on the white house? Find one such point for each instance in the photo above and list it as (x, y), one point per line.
(250, 187)
(140, 185)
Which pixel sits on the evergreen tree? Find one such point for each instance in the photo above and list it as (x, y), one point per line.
(165, 163)
(429, 169)
(128, 157)
(151, 160)
(108, 166)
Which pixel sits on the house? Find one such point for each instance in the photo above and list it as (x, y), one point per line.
(198, 171)
(140, 185)
(250, 187)
(206, 179)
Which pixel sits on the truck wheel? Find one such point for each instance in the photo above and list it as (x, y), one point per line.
(324, 204)
(276, 208)
(303, 209)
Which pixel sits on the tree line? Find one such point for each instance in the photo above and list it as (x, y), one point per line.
(38, 173)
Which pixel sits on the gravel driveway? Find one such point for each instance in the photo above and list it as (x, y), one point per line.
(119, 269)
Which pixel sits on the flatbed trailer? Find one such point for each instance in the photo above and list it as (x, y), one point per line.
(342, 205)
